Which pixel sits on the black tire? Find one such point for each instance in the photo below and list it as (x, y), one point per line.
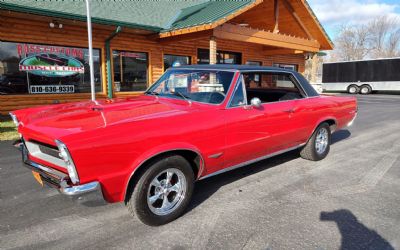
(138, 202)
(309, 151)
(353, 89)
(365, 90)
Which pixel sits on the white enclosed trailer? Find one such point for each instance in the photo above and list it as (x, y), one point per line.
(364, 76)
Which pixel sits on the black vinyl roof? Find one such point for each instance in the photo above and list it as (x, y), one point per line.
(308, 89)
(238, 67)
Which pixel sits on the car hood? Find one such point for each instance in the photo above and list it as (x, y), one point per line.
(64, 119)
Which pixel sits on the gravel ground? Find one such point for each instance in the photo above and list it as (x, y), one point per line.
(350, 200)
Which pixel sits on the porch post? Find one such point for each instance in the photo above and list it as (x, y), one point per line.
(314, 68)
(213, 50)
(276, 16)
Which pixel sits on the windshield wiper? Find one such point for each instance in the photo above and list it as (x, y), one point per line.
(185, 97)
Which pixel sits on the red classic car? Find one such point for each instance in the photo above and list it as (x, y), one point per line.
(194, 122)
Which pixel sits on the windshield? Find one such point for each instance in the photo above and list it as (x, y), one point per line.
(193, 85)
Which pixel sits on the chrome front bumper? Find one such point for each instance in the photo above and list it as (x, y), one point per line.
(59, 180)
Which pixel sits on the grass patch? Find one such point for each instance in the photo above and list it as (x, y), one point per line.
(8, 131)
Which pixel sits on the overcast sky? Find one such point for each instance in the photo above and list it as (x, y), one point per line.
(332, 13)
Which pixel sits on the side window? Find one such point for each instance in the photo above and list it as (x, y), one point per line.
(238, 98)
(272, 87)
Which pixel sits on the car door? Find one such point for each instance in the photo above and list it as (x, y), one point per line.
(253, 132)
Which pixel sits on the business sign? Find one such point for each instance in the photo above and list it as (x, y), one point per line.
(51, 89)
(51, 65)
(25, 50)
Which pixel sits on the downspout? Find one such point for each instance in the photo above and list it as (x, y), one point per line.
(108, 60)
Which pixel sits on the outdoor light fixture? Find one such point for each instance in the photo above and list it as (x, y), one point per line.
(54, 24)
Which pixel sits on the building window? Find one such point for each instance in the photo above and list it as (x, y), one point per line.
(175, 60)
(254, 63)
(223, 57)
(293, 67)
(44, 69)
(130, 71)
(254, 77)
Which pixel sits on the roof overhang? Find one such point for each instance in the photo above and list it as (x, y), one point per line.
(299, 9)
(244, 34)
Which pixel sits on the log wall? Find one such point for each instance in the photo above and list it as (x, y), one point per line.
(25, 28)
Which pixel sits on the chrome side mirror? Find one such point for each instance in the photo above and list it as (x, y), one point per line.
(255, 102)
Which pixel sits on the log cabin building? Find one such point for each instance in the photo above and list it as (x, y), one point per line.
(44, 55)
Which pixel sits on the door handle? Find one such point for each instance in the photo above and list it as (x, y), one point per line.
(290, 111)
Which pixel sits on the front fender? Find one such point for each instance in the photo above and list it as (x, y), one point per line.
(153, 152)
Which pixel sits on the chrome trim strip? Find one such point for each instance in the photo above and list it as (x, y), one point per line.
(207, 103)
(46, 169)
(215, 156)
(352, 120)
(236, 87)
(251, 161)
(81, 189)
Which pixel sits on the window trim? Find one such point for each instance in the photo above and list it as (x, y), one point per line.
(102, 70)
(171, 54)
(218, 51)
(256, 61)
(239, 81)
(148, 68)
(286, 64)
(294, 79)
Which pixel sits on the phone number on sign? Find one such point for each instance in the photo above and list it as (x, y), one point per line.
(46, 89)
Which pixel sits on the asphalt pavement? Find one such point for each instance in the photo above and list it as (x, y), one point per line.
(350, 200)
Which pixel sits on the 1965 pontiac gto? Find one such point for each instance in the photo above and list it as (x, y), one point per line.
(194, 122)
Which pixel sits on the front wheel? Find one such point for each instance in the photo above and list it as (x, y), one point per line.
(318, 146)
(163, 191)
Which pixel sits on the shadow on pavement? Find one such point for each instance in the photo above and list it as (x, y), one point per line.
(354, 234)
(340, 136)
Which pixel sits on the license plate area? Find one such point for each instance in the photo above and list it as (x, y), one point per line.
(37, 177)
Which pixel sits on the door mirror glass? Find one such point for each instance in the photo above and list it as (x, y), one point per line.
(255, 102)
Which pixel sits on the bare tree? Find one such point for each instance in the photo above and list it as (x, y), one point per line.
(393, 45)
(384, 36)
(376, 39)
(352, 43)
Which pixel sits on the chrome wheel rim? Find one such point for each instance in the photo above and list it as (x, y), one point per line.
(166, 191)
(353, 90)
(321, 141)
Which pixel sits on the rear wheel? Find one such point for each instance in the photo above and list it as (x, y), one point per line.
(365, 89)
(353, 89)
(163, 191)
(318, 146)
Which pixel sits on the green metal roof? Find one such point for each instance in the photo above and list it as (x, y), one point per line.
(154, 15)
(206, 13)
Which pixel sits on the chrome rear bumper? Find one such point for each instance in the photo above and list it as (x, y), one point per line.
(59, 180)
